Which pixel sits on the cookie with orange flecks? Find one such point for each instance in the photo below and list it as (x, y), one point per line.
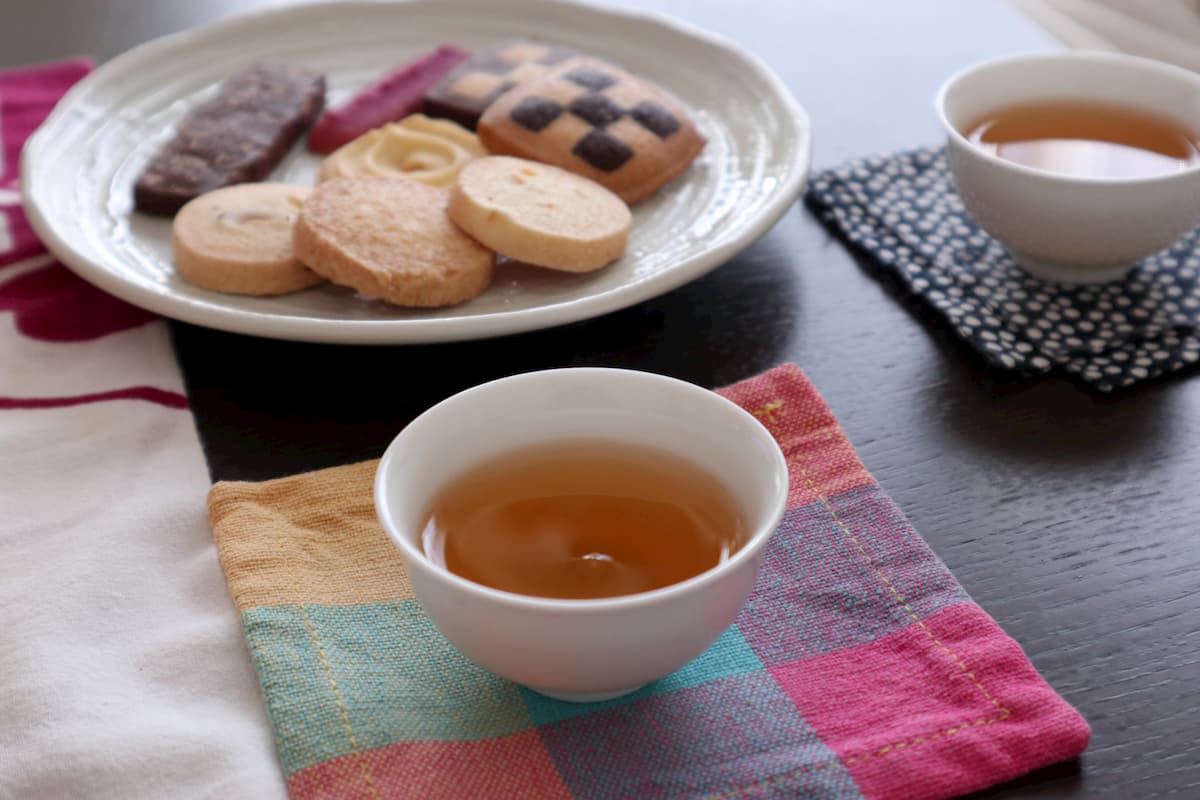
(540, 214)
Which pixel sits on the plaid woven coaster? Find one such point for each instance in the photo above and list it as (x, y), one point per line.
(904, 212)
(859, 667)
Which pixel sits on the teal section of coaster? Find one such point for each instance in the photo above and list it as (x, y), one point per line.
(729, 655)
(341, 679)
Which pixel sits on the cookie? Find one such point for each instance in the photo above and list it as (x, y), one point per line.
(594, 119)
(238, 136)
(431, 151)
(394, 96)
(390, 239)
(464, 94)
(239, 239)
(540, 214)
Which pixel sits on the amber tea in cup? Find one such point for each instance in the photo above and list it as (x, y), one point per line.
(582, 519)
(1086, 139)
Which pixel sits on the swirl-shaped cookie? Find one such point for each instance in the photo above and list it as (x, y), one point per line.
(431, 151)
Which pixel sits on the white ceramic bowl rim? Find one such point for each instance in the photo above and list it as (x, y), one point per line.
(1121, 60)
(413, 553)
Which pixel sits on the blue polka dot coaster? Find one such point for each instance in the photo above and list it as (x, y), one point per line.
(904, 213)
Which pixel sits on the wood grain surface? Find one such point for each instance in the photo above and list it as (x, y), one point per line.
(1072, 518)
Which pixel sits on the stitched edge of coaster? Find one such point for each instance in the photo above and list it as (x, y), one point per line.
(765, 413)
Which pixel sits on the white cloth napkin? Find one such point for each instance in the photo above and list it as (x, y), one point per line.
(123, 672)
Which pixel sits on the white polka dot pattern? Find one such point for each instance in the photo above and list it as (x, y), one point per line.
(904, 212)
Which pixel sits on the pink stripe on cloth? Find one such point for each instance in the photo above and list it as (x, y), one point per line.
(149, 394)
(946, 706)
(17, 239)
(26, 97)
(53, 304)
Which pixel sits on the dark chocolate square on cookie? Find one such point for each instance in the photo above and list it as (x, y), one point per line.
(596, 109)
(535, 113)
(470, 88)
(602, 150)
(655, 118)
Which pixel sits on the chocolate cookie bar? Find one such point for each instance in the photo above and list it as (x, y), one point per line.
(464, 94)
(238, 136)
(594, 119)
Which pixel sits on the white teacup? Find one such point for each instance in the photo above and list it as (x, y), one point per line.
(1061, 227)
(582, 650)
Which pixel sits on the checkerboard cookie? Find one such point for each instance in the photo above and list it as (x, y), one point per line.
(594, 119)
(471, 87)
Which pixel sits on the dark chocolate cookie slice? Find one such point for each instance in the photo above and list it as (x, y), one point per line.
(238, 136)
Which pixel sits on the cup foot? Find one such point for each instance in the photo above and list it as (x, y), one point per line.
(1070, 273)
(585, 697)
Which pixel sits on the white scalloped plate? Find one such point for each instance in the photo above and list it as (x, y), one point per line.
(78, 168)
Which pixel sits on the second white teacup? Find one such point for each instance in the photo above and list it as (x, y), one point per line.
(1061, 227)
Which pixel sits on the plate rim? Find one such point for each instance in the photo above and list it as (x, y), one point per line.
(415, 331)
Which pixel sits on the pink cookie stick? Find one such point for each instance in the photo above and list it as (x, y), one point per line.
(393, 97)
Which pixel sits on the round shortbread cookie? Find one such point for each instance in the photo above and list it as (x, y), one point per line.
(540, 214)
(239, 239)
(390, 239)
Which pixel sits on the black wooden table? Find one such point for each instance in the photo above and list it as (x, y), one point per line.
(1072, 518)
